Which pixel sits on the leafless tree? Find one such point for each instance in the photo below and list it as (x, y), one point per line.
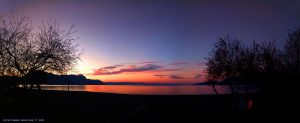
(51, 49)
(292, 51)
(292, 58)
(258, 64)
(223, 61)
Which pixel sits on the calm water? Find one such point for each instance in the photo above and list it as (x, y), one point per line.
(148, 90)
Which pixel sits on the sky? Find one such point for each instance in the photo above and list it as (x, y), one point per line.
(162, 41)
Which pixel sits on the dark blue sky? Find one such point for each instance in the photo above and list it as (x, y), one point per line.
(132, 31)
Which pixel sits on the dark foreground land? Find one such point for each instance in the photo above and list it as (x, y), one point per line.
(60, 106)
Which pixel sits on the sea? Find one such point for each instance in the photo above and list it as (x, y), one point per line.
(153, 89)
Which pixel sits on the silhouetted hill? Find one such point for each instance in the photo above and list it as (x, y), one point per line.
(71, 79)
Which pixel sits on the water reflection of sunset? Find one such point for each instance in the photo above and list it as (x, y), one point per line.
(151, 90)
(155, 90)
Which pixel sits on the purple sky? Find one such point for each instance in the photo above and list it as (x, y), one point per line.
(116, 32)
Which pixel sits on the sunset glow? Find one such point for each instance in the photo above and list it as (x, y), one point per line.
(156, 41)
(149, 72)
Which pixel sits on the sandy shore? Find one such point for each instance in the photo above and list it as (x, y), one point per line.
(55, 106)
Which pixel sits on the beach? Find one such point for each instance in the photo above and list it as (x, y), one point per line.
(64, 106)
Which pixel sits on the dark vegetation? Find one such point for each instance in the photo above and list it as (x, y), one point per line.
(273, 69)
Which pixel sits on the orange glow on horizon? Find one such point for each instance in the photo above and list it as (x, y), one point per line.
(188, 76)
(140, 72)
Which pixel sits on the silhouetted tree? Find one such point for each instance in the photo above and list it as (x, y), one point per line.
(292, 58)
(263, 64)
(224, 60)
(36, 77)
(292, 51)
(50, 49)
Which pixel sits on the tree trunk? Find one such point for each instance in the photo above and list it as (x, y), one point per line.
(38, 86)
(215, 90)
(31, 86)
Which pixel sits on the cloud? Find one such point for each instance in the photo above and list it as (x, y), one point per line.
(118, 69)
(149, 62)
(176, 77)
(178, 63)
(163, 70)
(197, 76)
(172, 76)
(148, 66)
(159, 75)
(112, 67)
